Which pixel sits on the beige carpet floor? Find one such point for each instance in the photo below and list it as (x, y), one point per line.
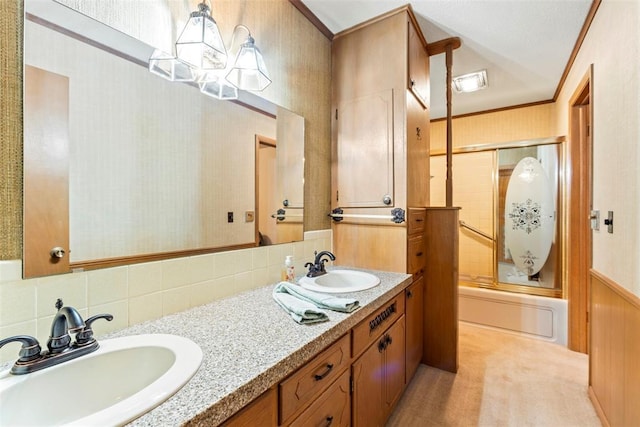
(503, 380)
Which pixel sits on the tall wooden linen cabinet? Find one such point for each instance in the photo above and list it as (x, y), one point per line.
(380, 173)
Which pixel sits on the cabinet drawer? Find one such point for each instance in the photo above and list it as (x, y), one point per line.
(416, 256)
(333, 407)
(263, 412)
(373, 326)
(415, 220)
(313, 378)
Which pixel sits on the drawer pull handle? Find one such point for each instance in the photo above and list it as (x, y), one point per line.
(419, 219)
(419, 253)
(382, 317)
(319, 377)
(329, 420)
(409, 294)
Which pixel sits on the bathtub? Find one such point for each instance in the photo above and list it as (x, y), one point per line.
(534, 316)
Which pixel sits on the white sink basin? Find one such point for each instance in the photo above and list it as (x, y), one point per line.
(339, 281)
(125, 378)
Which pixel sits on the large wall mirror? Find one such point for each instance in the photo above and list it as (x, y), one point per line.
(123, 166)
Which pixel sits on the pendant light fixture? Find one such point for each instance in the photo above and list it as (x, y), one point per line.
(249, 71)
(201, 57)
(200, 43)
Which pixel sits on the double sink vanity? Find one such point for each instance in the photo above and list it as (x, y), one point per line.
(253, 356)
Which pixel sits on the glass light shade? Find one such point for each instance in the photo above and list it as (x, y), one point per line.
(249, 71)
(200, 43)
(216, 86)
(170, 68)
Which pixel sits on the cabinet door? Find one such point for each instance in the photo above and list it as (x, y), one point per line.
(365, 151)
(368, 379)
(394, 365)
(413, 318)
(418, 178)
(418, 67)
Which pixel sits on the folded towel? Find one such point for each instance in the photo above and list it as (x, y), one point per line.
(301, 311)
(320, 300)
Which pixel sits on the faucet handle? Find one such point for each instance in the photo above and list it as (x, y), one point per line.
(85, 336)
(30, 347)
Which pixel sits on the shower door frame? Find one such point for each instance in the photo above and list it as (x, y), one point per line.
(556, 292)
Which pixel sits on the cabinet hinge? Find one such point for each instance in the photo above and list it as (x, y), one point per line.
(336, 114)
(351, 385)
(337, 196)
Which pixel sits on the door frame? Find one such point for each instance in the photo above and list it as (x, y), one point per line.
(579, 170)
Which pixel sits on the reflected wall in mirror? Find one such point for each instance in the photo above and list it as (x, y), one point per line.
(154, 168)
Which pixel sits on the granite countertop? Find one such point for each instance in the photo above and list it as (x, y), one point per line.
(249, 344)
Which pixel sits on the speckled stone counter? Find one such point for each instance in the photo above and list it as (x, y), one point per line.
(249, 344)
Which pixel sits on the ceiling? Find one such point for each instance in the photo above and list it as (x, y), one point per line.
(524, 45)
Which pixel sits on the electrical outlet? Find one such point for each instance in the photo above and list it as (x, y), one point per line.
(229, 216)
(248, 216)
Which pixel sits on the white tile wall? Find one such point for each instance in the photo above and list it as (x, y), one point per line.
(141, 292)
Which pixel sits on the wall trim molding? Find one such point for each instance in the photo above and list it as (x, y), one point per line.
(623, 292)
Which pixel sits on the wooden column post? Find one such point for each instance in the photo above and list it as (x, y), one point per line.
(449, 183)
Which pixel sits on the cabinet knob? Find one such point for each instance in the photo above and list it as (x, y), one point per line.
(386, 199)
(409, 294)
(57, 252)
(329, 420)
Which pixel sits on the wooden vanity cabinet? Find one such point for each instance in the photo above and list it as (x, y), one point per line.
(263, 411)
(378, 370)
(414, 319)
(332, 407)
(380, 137)
(379, 377)
(310, 381)
(380, 147)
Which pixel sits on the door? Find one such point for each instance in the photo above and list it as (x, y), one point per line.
(46, 173)
(365, 151)
(579, 185)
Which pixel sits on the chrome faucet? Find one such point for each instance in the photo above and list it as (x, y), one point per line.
(317, 267)
(60, 349)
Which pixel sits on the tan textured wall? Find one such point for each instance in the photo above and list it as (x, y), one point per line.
(473, 190)
(503, 126)
(11, 129)
(615, 56)
(297, 54)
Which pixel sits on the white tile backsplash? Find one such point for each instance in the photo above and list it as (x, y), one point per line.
(140, 292)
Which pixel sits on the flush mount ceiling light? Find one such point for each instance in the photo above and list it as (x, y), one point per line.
(201, 57)
(471, 82)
